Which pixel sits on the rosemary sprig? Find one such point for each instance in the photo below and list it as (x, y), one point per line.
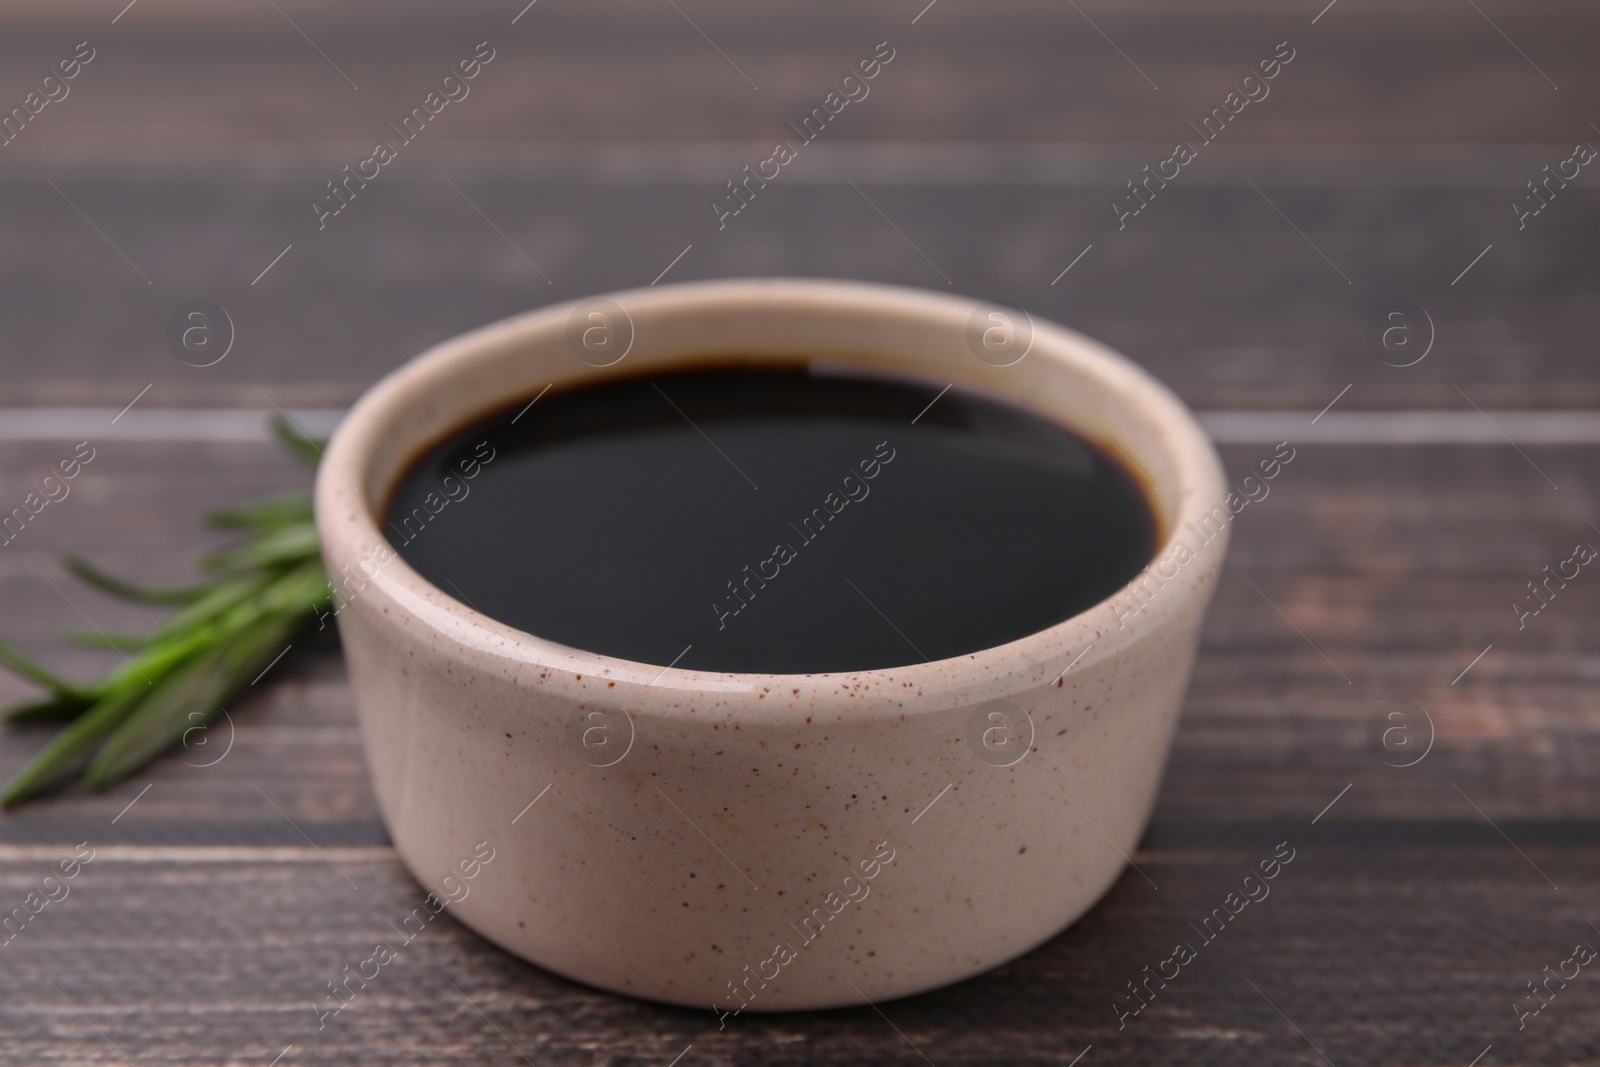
(225, 631)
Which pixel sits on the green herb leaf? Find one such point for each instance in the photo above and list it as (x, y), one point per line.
(264, 514)
(227, 631)
(127, 591)
(61, 755)
(287, 544)
(196, 687)
(306, 449)
(218, 600)
(302, 590)
(52, 709)
(20, 663)
(189, 698)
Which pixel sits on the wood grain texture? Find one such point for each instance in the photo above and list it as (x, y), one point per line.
(189, 74)
(1420, 902)
(1386, 559)
(196, 139)
(1397, 562)
(1210, 287)
(244, 951)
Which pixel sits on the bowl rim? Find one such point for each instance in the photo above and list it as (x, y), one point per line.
(396, 596)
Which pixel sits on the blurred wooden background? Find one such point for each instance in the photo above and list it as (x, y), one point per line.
(1381, 166)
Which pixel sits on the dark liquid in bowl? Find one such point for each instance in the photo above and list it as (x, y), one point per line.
(772, 520)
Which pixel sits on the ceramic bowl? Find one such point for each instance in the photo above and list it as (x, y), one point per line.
(750, 842)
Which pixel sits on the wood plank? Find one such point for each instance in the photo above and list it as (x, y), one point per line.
(629, 70)
(1249, 314)
(213, 915)
(1210, 287)
(244, 949)
(1399, 563)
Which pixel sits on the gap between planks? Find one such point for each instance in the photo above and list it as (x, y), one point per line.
(1092, 164)
(47, 853)
(1403, 427)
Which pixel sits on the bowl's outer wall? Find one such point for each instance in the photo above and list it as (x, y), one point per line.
(685, 872)
(605, 880)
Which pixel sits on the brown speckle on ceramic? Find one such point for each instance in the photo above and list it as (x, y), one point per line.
(701, 838)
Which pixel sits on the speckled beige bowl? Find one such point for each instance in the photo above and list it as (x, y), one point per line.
(768, 842)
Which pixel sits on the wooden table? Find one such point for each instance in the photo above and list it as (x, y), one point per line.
(1382, 568)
